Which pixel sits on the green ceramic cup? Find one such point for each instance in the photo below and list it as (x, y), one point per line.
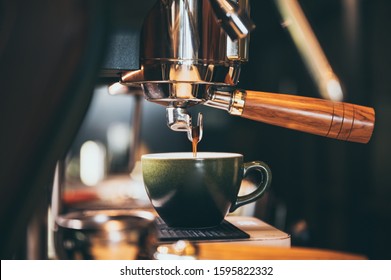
(198, 192)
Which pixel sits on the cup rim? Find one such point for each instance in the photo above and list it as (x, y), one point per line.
(190, 156)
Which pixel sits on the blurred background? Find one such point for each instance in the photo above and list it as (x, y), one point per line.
(326, 193)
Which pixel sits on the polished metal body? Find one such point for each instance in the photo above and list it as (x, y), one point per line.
(187, 46)
(184, 49)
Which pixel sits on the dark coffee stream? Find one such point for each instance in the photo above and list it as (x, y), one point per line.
(196, 137)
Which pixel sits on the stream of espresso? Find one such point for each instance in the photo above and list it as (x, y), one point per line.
(196, 137)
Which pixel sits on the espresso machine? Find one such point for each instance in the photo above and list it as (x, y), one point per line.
(177, 53)
(192, 53)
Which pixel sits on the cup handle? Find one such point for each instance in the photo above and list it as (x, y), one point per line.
(261, 186)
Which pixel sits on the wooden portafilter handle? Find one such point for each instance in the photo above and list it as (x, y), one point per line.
(338, 120)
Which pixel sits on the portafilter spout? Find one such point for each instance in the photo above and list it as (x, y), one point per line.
(178, 119)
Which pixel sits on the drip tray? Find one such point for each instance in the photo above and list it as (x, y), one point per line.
(224, 231)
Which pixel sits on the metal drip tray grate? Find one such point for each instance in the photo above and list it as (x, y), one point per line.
(224, 231)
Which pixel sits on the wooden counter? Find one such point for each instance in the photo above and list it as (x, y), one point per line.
(243, 251)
